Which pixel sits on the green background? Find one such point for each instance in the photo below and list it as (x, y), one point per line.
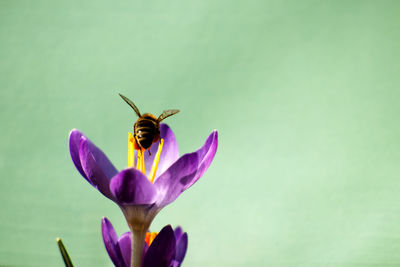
(305, 96)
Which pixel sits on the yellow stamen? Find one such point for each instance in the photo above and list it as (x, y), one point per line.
(140, 160)
(150, 237)
(155, 162)
(140, 157)
(131, 151)
(143, 166)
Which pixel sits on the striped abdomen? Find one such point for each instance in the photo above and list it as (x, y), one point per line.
(146, 130)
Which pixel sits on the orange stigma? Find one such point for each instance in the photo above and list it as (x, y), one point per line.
(150, 237)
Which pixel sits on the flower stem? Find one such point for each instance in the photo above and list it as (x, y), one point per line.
(138, 237)
(139, 218)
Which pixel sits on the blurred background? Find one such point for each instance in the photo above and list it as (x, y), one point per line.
(304, 95)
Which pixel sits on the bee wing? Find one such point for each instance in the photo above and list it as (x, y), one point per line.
(167, 113)
(130, 103)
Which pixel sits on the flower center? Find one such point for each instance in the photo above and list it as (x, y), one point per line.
(150, 237)
(132, 146)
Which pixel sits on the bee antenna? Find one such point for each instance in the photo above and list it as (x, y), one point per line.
(167, 113)
(130, 103)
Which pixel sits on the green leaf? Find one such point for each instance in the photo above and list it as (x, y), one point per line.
(64, 253)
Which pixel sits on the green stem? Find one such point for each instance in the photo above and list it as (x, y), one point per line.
(139, 218)
(138, 237)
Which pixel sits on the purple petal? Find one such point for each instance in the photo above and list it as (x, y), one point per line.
(176, 178)
(124, 243)
(178, 232)
(169, 153)
(95, 167)
(181, 247)
(131, 187)
(101, 159)
(111, 243)
(74, 142)
(206, 154)
(162, 249)
(145, 248)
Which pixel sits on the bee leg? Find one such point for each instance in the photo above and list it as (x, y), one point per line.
(149, 151)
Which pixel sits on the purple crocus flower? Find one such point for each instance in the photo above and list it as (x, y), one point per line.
(168, 248)
(139, 197)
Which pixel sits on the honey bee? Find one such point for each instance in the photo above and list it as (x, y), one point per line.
(146, 129)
